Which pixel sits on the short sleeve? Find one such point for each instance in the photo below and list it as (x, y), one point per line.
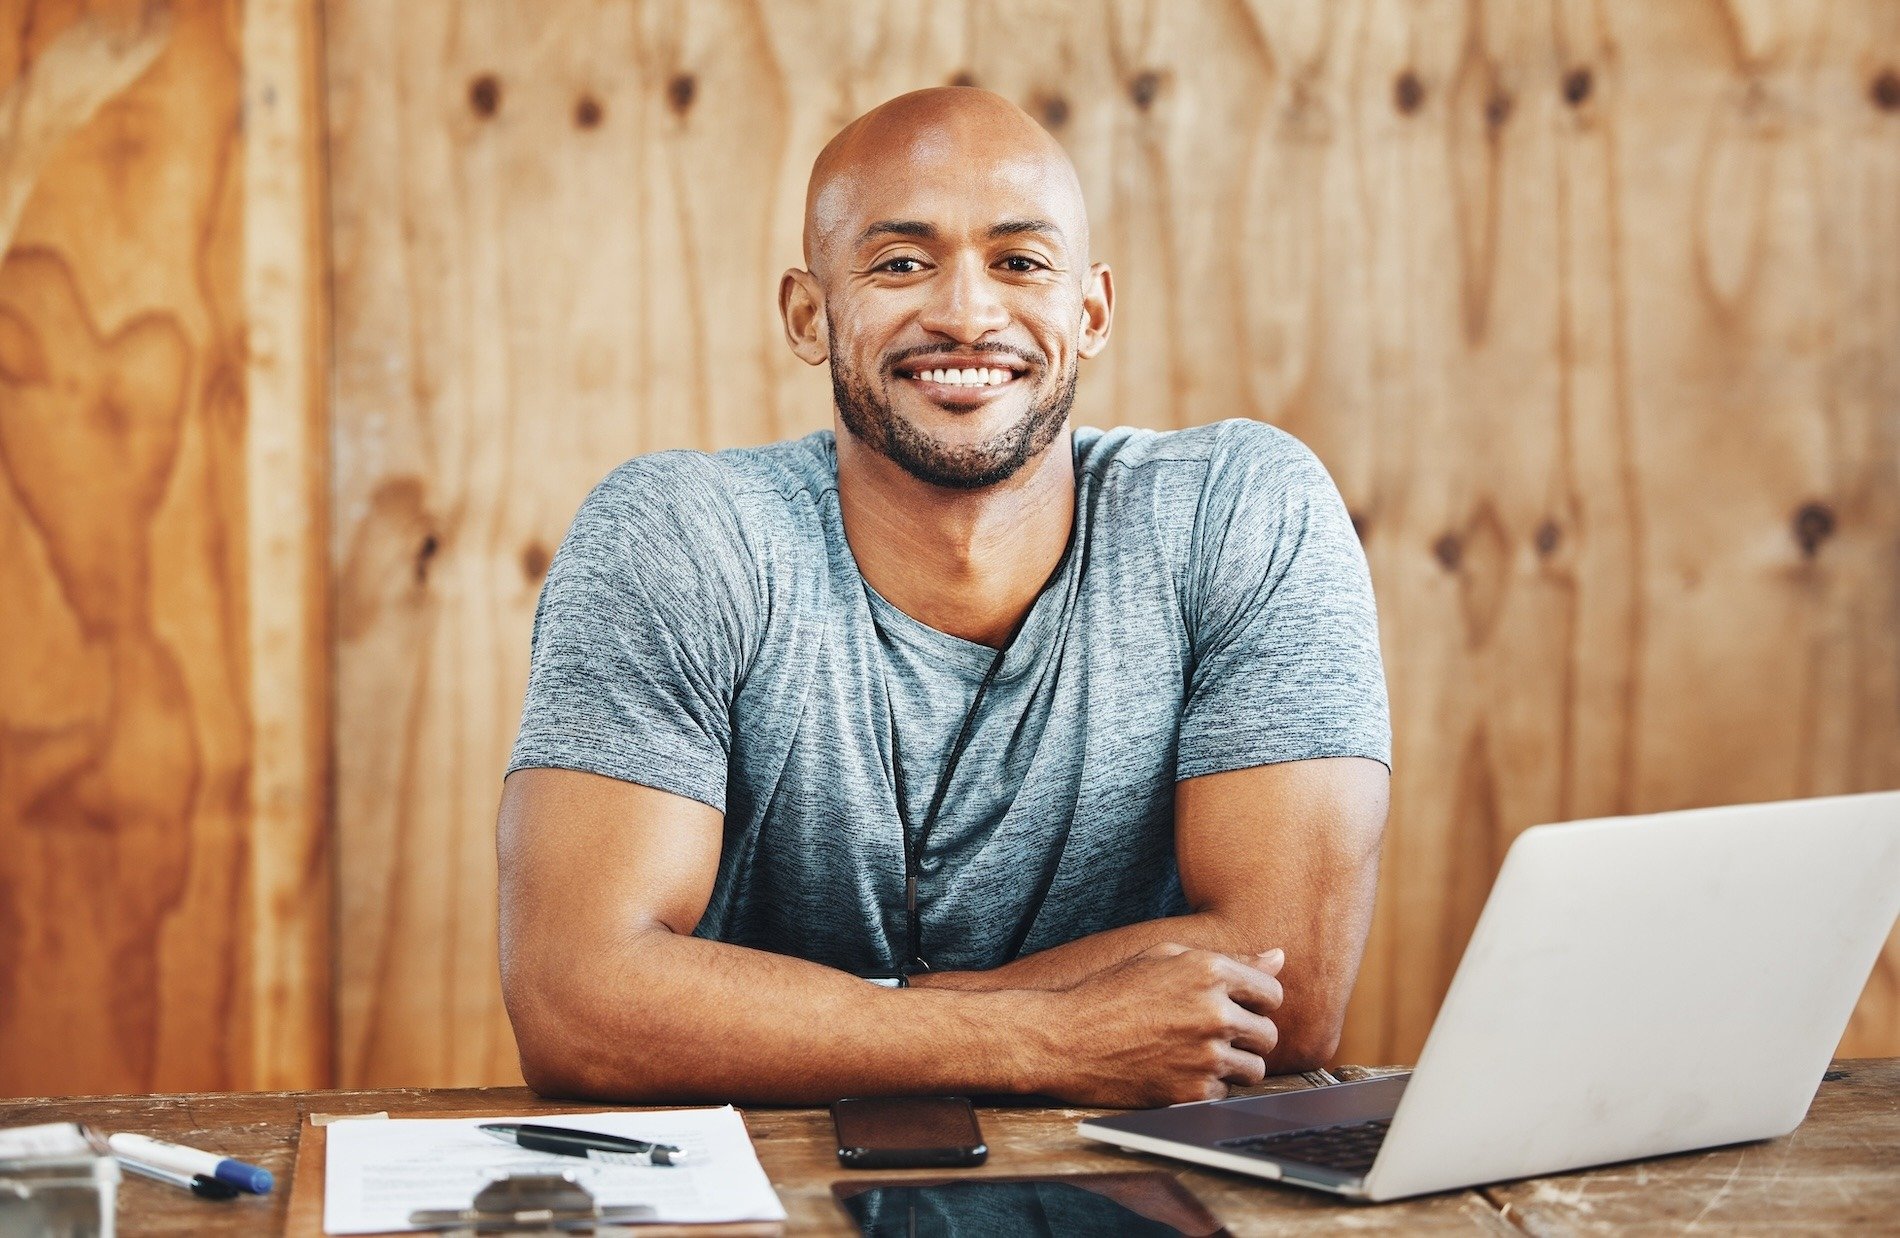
(641, 633)
(1283, 633)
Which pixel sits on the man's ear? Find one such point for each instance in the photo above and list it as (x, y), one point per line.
(801, 305)
(1098, 310)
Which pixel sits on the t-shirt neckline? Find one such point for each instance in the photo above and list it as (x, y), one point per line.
(971, 659)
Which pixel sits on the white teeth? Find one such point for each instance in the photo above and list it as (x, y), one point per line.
(981, 377)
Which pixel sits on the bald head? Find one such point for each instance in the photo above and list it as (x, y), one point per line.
(913, 146)
(947, 282)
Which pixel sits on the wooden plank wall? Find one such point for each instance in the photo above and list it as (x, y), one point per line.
(1593, 308)
(163, 892)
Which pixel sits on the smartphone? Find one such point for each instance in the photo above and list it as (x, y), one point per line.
(907, 1132)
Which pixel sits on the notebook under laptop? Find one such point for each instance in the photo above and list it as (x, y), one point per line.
(1635, 986)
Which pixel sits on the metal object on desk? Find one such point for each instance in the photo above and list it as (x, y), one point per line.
(57, 1180)
(530, 1203)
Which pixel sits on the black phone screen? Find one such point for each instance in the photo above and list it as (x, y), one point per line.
(1046, 1208)
(892, 1132)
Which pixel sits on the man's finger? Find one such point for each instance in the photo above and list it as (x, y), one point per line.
(1244, 1069)
(1253, 988)
(1254, 1033)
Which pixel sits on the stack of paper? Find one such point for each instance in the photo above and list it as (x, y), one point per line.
(378, 1172)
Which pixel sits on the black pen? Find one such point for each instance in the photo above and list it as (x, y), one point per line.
(201, 1185)
(609, 1149)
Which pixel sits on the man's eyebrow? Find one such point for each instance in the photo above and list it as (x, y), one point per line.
(1016, 227)
(899, 227)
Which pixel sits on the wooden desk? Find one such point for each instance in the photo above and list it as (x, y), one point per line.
(1841, 1169)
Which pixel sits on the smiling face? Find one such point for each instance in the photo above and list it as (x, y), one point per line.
(950, 287)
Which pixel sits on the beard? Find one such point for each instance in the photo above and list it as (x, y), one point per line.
(870, 418)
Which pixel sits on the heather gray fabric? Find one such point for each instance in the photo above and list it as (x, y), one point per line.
(704, 630)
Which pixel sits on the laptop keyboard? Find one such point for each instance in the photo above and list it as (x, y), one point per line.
(1349, 1148)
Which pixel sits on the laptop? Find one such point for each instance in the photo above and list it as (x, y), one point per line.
(1635, 986)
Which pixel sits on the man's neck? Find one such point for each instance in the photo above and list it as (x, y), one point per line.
(966, 562)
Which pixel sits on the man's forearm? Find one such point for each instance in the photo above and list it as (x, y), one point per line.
(1326, 816)
(1317, 987)
(678, 1018)
(1067, 965)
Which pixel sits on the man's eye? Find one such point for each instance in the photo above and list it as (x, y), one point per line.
(902, 266)
(1017, 262)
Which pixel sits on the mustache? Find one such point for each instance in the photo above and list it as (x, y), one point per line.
(1024, 355)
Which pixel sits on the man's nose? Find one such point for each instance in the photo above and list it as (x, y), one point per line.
(965, 304)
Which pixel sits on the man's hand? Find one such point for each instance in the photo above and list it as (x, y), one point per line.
(1171, 1024)
(1320, 821)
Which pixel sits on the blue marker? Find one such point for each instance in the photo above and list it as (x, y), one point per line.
(182, 1160)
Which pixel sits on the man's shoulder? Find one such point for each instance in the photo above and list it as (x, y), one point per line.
(1218, 445)
(702, 493)
(1224, 459)
(789, 469)
(730, 517)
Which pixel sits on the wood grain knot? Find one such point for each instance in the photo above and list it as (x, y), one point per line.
(962, 77)
(1408, 93)
(1053, 109)
(587, 112)
(1547, 538)
(1813, 524)
(1833, 1076)
(1885, 91)
(1449, 550)
(534, 562)
(484, 95)
(1143, 89)
(680, 92)
(1497, 109)
(1577, 86)
(425, 553)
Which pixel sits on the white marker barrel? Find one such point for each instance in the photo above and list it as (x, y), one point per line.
(183, 1160)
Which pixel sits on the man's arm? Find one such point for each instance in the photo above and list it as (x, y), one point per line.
(602, 882)
(1282, 856)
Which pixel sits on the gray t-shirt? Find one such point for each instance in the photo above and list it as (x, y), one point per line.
(704, 630)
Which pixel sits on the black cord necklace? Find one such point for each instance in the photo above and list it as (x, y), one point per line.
(914, 961)
(914, 844)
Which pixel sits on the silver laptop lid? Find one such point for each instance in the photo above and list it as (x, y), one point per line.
(1643, 985)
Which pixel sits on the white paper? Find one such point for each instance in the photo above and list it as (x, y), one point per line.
(377, 1173)
(50, 1141)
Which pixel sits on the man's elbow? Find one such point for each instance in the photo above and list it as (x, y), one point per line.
(572, 1065)
(1307, 1044)
(1305, 1053)
(565, 1039)
(550, 1075)
(552, 1048)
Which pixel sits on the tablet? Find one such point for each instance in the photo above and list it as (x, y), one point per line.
(1143, 1204)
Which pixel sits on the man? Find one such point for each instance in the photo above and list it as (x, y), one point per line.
(1082, 734)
